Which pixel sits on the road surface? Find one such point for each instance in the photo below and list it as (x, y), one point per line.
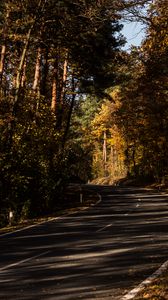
(99, 253)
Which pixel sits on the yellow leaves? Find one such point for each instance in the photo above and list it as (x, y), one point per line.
(116, 96)
(104, 122)
(157, 39)
(103, 119)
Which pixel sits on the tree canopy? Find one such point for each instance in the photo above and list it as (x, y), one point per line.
(73, 104)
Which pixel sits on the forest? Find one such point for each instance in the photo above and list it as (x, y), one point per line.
(74, 106)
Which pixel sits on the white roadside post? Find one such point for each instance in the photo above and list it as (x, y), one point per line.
(11, 215)
(81, 195)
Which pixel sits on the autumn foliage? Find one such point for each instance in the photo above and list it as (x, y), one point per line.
(74, 106)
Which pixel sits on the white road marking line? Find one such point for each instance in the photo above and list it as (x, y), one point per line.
(28, 227)
(23, 261)
(109, 225)
(50, 220)
(133, 293)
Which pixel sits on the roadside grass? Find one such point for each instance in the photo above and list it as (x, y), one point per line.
(157, 290)
(70, 205)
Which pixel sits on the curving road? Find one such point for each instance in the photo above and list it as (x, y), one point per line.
(99, 253)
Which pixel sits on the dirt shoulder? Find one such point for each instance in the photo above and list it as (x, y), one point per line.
(157, 290)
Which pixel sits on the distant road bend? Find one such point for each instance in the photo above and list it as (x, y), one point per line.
(99, 253)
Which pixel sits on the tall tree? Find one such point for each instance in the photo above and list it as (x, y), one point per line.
(55, 52)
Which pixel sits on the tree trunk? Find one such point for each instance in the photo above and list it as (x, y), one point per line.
(105, 152)
(54, 87)
(18, 79)
(61, 94)
(23, 81)
(44, 72)
(105, 147)
(2, 61)
(133, 159)
(112, 160)
(22, 62)
(36, 83)
(64, 79)
(70, 112)
(23, 56)
(3, 49)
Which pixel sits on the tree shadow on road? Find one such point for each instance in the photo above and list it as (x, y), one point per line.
(95, 254)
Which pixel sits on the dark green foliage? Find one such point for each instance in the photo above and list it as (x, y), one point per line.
(34, 170)
(71, 42)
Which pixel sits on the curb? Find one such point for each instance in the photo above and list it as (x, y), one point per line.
(133, 293)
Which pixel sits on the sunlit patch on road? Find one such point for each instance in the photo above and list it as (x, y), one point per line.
(100, 253)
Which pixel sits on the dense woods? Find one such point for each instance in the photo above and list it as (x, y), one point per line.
(144, 107)
(74, 106)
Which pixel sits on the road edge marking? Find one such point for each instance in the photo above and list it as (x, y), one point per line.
(50, 220)
(23, 261)
(28, 227)
(133, 293)
(101, 229)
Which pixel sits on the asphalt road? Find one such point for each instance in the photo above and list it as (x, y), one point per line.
(99, 253)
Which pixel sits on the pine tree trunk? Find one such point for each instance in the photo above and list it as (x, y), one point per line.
(64, 78)
(23, 81)
(36, 83)
(54, 87)
(105, 152)
(3, 49)
(2, 61)
(61, 94)
(70, 112)
(44, 72)
(19, 77)
(105, 147)
(112, 161)
(21, 65)
(23, 56)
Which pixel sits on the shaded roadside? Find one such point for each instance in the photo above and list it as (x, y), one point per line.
(158, 289)
(76, 197)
